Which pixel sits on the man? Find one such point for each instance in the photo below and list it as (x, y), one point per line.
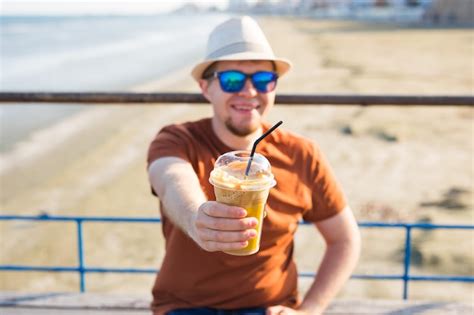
(238, 77)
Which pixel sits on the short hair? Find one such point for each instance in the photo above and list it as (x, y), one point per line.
(207, 74)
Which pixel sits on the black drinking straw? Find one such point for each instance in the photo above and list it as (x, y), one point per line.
(256, 142)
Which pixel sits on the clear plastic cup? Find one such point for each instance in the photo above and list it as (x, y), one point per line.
(250, 192)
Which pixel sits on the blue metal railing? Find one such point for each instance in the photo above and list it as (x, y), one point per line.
(82, 269)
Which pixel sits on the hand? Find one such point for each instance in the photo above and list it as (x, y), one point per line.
(219, 227)
(283, 310)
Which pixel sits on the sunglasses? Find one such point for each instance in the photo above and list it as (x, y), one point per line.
(233, 81)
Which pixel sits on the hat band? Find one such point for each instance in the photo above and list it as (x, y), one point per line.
(240, 48)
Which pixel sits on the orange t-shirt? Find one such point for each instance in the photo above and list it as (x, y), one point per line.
(306, 189)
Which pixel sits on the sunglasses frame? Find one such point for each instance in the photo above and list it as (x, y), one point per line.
(218, 74)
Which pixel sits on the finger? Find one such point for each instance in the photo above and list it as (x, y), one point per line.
(220, 210)
(275, 310)
(222, 224)
(212, 246)
(226, 237)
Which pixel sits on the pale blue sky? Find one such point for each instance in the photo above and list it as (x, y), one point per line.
(98, 6)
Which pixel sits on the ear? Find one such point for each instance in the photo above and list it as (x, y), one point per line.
(204, 85)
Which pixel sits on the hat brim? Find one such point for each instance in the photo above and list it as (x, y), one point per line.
(282, 65)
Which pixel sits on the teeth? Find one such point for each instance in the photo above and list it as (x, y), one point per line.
(243, 107)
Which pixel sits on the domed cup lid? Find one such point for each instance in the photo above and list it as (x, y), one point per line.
(229, 172)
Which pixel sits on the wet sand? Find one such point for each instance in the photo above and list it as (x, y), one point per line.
(396, 164)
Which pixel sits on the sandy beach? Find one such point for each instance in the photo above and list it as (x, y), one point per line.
(396, 164)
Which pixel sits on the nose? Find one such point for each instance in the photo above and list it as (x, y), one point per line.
(248, 90)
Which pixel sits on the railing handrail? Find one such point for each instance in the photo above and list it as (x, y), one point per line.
(47, 217)
(82, 269)
(197, 98)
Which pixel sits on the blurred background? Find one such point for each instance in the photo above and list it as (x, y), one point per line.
(396, 164)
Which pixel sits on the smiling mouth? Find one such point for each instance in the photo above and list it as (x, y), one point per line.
(244, 108)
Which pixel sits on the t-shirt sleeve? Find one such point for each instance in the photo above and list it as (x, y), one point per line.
(170, 141)
(327, 195)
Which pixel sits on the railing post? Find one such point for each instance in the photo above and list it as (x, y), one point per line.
(80, 256)
(406, 269)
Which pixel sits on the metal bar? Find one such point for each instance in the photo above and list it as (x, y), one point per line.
(104, 98)
(415, 225)
(366, 100)
(76, 269)
(357, 276)
(121, 270)
(409, 277)
(406, 266)
(443, 278)
(440, 226)
(301, 274)
(38, 268)
(82, 218)
(401, 277)
(45, 217)
(80, 253)
(196, 98)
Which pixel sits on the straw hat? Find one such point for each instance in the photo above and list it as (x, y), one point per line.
(239, 39)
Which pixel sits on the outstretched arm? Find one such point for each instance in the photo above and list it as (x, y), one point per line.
(213, 226)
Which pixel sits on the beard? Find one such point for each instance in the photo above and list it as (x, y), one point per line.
(240, 132)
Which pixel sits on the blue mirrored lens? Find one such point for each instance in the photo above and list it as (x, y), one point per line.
(232, 81)
(264, 81)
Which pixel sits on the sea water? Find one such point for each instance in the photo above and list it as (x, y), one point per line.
(89, 53)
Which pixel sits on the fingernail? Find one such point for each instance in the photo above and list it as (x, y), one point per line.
(252, 233)
(243, 213)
